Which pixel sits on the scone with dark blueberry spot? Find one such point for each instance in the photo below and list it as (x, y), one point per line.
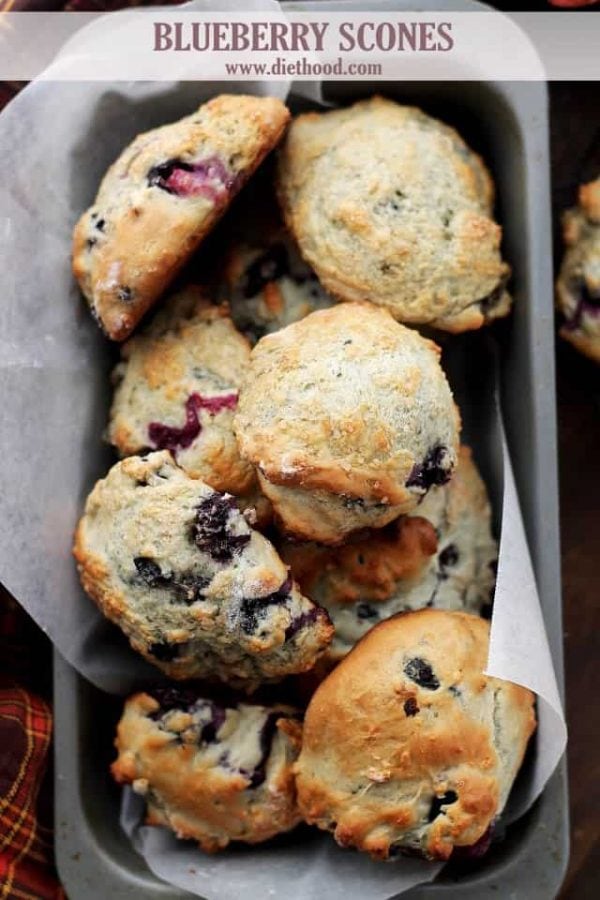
(349, 419)
(177, 389)
(269, 285)
(211, 771)
(390, 205)
(160, 199)
(408, 747)
(578, 285)
(197, 591)
(467, 554)
(443, 556)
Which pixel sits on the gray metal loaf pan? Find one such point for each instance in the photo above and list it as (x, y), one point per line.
(508, 123)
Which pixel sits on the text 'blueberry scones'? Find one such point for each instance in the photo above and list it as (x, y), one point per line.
(161, 198)
(407, 746)
(215, 772)
(578, 285)
(177, 388)
(196, 590)
(390, 205)
(349, 419)
(270, 286)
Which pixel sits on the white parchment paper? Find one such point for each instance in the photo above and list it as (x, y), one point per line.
(56, 140)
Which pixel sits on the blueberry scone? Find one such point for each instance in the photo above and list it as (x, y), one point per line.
(368, 579)
(578, 285)
(443, 557)
(390, 205)
(160, 199)
(211, 771)
(407, 746)
(197, 591)
(349, 419)
(177, 389)
(467, 554)
(270, 286)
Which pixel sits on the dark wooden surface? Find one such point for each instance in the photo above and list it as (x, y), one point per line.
(575, 130)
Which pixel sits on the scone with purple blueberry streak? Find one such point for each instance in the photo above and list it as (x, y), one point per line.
(197, 591)
(408, 747)
(390, 205)
(177, 389)
(160, 199)
(348, 417)
(212, 771)
(578, 285)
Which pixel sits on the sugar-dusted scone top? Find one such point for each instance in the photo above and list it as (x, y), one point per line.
(161, 198)
(390, 205)
(349, 419)
(578, 284)
(212, 771)
(407, 746)
(177, 388)
(197, 591)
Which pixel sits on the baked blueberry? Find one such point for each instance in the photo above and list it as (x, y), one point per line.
(193, 586)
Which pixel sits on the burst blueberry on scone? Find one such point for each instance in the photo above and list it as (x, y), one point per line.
(444, 557)
(196, 590)
(211, 771)
(349, 419)
(578, 285)
(160, 199)
(269, 285)
(407, 746)
(390, 205)
(177, 389)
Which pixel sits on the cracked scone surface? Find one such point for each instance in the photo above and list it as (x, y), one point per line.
(197, 591)
(177, 389)
(407, 745)
(578, 285)
(390, 205)
(368, 579)
(211, 771)
(269, 285)
(160, 199)
(443, 556)
(349, 419)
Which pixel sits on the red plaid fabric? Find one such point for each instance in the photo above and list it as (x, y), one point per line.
(26, 863)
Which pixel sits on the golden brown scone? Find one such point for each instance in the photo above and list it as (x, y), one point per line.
(211, 771)
(197, 591)
(578, 285)
(443, 556)
(349, 419)
(369, 579)
(390, 205)
(177, 388)
(160, 199)
(407, 745)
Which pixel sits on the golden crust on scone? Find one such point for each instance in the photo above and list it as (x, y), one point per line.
(407, 745)
(349, 419)
(390, 205)
(198, 592)
(368, 579)
(160, 199)
(210, 771)
(578, 284)
(177, 388)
